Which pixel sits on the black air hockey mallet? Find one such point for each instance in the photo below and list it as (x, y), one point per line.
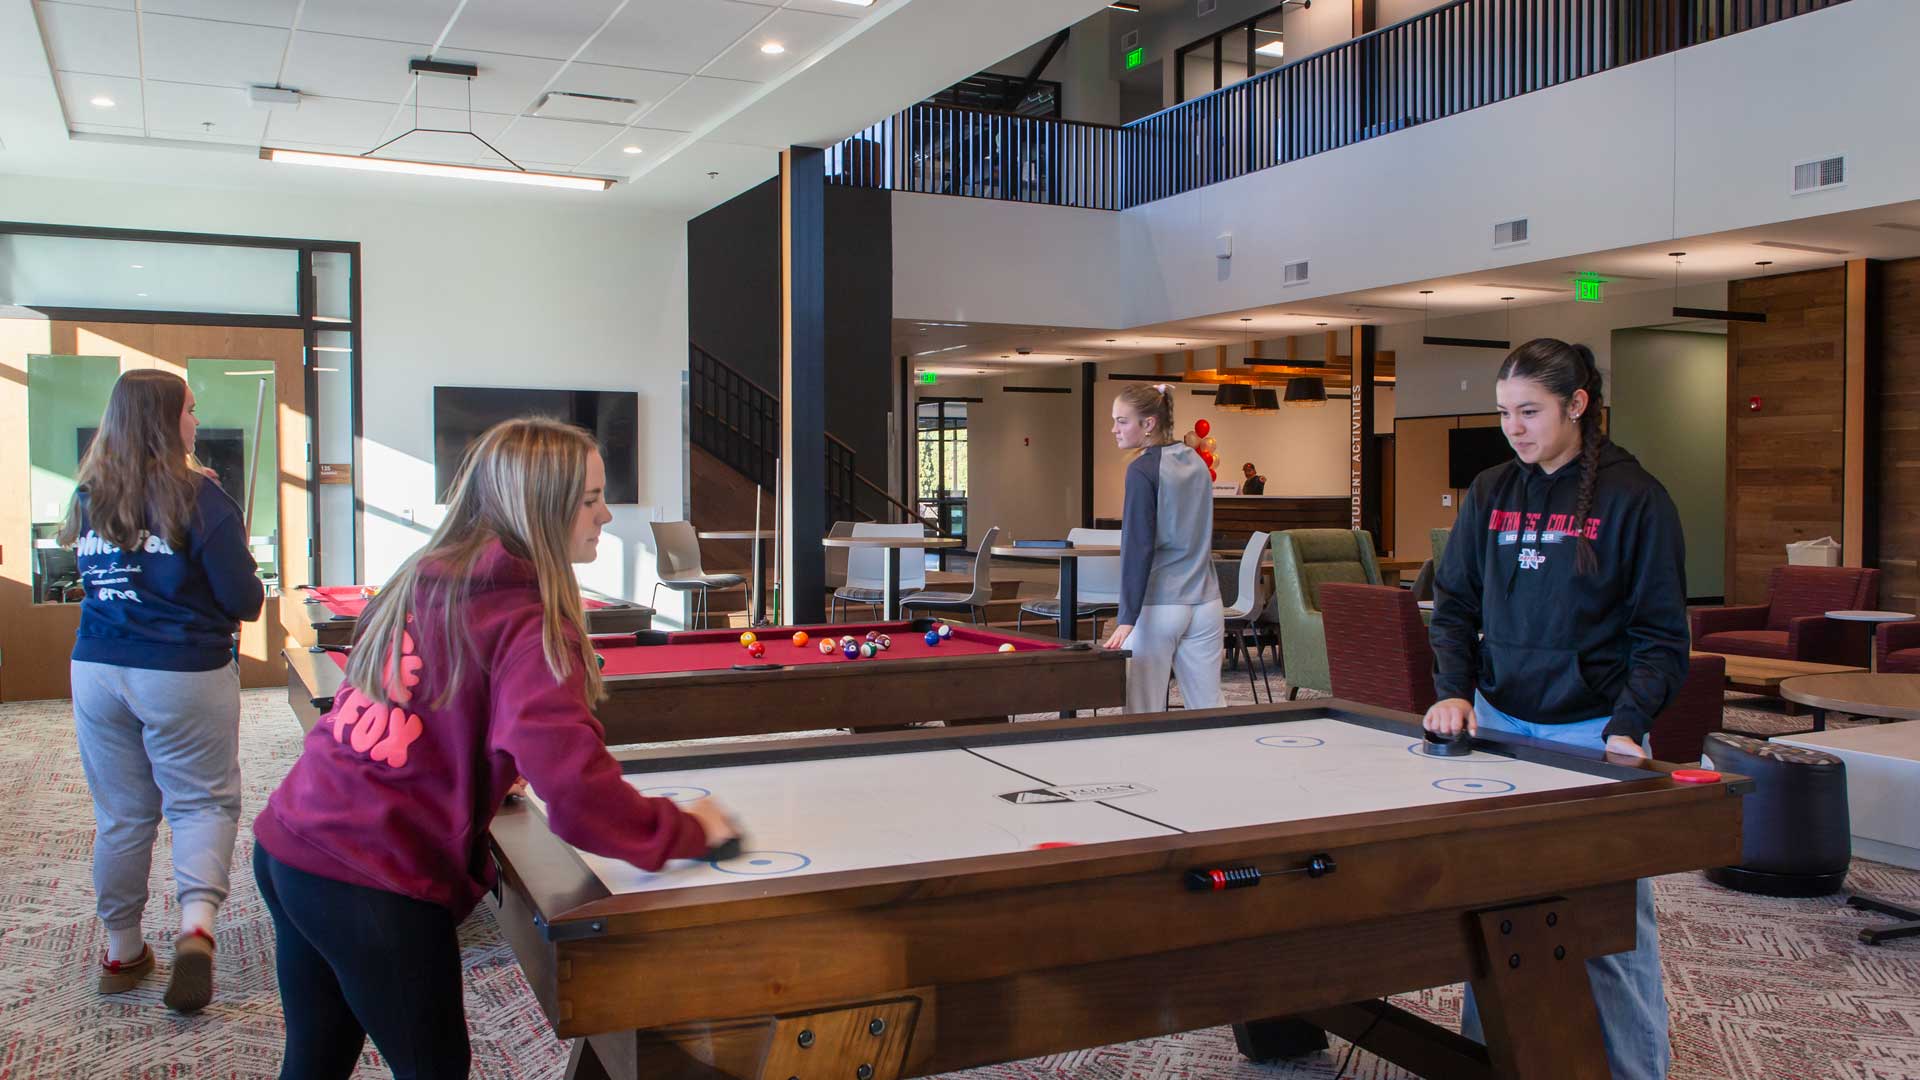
(1458, 744)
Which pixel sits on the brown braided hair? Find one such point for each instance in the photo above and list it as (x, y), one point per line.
(1562, 369)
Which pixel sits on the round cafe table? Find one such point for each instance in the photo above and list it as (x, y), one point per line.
(1876, 618)
(1887, 697)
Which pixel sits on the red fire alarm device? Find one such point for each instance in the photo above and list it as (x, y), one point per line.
(1753, 404)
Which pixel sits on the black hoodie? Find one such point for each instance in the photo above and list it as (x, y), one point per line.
(1559, 647)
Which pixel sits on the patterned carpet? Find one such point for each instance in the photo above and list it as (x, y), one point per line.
(1758, 987)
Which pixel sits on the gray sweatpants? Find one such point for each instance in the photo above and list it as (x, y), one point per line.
(154, 743)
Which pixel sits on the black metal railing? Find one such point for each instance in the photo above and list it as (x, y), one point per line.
(1457, 57)
(948, 150)
(738, 421)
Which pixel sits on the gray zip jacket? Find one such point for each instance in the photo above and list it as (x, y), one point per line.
(1166, 532)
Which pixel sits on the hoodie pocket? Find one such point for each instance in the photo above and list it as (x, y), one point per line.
(1534, 683)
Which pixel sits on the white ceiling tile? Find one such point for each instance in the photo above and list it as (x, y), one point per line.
(79, 90)
(615, 161)
(554, 28)
(432, 145)
(831, 7)
(700, 100)
(644, 87)
(801, 32)
(533, 138)
(214, 53)
(334, 121)
(672, 35)
(90, 39)
(414, 20)
(185, 110)
(506, 84)
(258, 12)
(349, 67)
(440, 146)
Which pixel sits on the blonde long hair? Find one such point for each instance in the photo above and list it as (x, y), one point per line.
(521, 483)
(136, 474)
(1156, 401)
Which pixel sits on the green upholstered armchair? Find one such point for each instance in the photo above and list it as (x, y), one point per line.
(1303, 560)
(1439, 537)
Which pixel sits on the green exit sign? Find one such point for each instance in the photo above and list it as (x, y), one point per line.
(1136, 57)
(1587, 289)
(928, 378)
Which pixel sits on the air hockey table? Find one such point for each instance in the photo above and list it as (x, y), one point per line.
(697, 684)
(334, 611)
(915, 902)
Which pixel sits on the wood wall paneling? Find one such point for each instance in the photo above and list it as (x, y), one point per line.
(1785, 460)
(1420, 479)
(1895, 414)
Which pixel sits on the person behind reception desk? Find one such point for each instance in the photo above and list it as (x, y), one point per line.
(1254, 484)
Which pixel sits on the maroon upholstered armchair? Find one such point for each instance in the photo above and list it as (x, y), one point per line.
(1696, 711)
(1377, 651)
(1792, 624)
(1899, 647)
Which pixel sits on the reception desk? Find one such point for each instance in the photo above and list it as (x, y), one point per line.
(1235, 517)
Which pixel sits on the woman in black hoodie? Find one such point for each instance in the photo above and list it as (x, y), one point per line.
(1560, 614)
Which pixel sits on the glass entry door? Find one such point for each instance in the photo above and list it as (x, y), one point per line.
(941, 487)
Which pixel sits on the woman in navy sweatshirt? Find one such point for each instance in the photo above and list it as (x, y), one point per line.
(156, 692)
(1560, 611)
(472, 669)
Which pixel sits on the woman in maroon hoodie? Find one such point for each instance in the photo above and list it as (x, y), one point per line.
(472, 669)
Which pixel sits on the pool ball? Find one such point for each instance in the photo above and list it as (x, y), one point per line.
(944, 630)
(868, 650)
(850, 651)
(799, 639)
(757, 650)
(873, 635)
(601, 660)
(368, 592)
(748, 638)
(826, 647)
(848, 639)
(1006, 646)
(932, 638)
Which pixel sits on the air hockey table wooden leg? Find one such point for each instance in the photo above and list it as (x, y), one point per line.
(1535, 1000)
(856, 1042)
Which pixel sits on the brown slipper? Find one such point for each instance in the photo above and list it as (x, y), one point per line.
(120, 976)
(190, 986)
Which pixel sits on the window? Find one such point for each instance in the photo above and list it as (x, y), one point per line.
(65, 397)
(1232, 55)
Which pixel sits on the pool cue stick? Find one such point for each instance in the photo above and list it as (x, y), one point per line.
(253, 471)
(756, 602)
(778, 552)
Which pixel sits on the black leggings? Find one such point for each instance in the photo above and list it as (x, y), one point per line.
(355, 962)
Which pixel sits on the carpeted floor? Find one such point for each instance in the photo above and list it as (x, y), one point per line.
(1758, 987)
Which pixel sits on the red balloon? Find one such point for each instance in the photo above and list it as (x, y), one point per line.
(1211, 474)
(1201, 427)
(1207, 456)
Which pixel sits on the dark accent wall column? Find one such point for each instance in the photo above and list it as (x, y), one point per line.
(908, 428)
(803, 383)
(1363, 452)
(1087, 407)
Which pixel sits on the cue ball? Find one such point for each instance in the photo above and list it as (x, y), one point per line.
(944, 630)
(826, 647)
(799, 639)
(756, 650)
(932, 638)
(1006, 646)
(748, 638)
(850, 651)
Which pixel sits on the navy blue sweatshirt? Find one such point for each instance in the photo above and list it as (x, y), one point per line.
(167, 610)
(1560, 647)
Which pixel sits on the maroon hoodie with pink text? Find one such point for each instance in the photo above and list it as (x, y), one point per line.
(399, 798)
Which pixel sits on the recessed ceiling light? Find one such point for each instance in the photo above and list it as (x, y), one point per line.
(136, 266)
(139, 294)
(101, 101)
(629, 149)
(773, 48)
(858, 3)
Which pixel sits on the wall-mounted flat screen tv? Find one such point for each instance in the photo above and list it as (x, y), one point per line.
(1472, 451)
(462, 413)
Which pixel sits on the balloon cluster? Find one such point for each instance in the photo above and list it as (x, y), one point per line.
(1204, 445)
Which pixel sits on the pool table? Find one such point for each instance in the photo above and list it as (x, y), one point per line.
(334, 610)
(700, 683)
(915, 902)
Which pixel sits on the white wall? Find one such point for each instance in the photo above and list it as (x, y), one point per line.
(1669, 399)
(1023, 458)
(468, 293)
(1690, 143)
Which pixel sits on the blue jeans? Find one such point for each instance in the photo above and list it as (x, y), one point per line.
(1628, 990)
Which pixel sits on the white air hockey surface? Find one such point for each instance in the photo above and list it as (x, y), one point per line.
(854, 813)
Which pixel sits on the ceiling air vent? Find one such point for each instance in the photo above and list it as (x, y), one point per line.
(1294, 273)
(1130, 39)
(1819, 175)
(1509, 233)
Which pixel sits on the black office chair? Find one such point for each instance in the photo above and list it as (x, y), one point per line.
(56, 574)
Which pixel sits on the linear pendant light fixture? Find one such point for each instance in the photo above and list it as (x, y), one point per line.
(1707, 313)
(1461, 342)
(368, 163)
